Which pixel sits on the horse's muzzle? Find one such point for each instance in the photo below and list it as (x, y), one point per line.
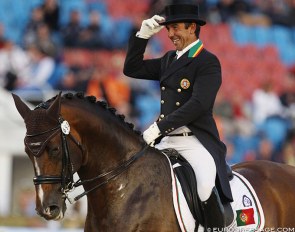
(52, 212)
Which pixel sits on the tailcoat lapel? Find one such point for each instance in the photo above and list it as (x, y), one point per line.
(185, 59)
(181, 62)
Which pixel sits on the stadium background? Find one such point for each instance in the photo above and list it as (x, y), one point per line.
(255, 109)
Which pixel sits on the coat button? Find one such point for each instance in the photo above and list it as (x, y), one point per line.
(162, 116)
(163, 88)
(177, 103)
(178, 90)
(162, 101)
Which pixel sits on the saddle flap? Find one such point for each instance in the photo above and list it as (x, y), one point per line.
(187, 179)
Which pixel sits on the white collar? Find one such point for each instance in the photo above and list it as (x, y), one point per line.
(180, 53)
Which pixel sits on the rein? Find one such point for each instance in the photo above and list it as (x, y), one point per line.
(110, 174)
(66, 179)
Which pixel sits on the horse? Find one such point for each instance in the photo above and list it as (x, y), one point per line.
(127, 182)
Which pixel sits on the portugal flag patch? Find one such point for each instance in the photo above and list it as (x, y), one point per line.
(245, 217)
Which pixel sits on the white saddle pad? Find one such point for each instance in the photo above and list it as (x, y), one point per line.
(249, 214)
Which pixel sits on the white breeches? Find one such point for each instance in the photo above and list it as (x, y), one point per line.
(199, 158)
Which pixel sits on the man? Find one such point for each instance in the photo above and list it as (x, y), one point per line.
(189, 80)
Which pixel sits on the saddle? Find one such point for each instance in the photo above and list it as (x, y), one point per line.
(187, 179)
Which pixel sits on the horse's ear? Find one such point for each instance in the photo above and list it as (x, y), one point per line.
(22, 108)
(54, 109)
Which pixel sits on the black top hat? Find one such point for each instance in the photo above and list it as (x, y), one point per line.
(182, 12)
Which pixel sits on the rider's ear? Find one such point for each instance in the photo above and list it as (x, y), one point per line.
(22, 108)
(54, 109)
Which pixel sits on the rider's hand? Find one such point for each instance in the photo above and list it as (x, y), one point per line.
(150, 27)
(150, 134)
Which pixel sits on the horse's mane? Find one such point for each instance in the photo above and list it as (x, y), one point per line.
(93, 100)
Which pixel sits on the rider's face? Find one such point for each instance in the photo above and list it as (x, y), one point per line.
(181, 36)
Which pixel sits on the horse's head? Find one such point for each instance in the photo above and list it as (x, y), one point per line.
(48, 148)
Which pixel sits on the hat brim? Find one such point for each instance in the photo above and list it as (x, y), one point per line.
(178, 20)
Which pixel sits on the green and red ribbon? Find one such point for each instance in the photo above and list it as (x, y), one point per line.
(195, 50)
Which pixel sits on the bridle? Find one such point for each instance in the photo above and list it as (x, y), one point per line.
(66, 178)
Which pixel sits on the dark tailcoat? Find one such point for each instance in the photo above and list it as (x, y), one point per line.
(188, 90)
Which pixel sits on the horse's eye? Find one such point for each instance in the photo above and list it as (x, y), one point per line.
(54, 151)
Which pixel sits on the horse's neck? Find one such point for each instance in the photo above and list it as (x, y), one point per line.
(107, 144)
(138, 191)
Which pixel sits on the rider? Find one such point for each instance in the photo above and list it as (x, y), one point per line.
(189, 81)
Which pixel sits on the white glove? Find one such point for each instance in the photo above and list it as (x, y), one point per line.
(150, 27)
(150, 134)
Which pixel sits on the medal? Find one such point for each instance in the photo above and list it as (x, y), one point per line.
(184, 83)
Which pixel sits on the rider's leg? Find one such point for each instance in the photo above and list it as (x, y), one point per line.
(205, 170)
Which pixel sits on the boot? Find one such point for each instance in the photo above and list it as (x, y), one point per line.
(213, 212)
(233, 227)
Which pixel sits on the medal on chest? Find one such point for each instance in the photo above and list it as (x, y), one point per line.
(184, 83)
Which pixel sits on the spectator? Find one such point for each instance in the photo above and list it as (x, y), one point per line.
(71, 32)
(30, 33)
(287, 97)
(45, 39)
(265, 150)
(40, 69)
(91, 36)
(230, 9)
(278, 12)
(266, 103)
(13, 64)
(105, 85)
(292, 13)
(75, 79)
(51, 14)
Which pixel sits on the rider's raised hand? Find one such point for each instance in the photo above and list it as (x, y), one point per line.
(151, 26)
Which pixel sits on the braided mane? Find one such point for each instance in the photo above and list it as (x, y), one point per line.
(91, 99)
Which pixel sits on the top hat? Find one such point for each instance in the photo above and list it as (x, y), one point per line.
(182, 12)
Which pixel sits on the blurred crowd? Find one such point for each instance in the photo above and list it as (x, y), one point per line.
(87, 54)
(252, 12)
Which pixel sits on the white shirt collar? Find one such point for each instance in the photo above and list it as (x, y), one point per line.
(180, 53)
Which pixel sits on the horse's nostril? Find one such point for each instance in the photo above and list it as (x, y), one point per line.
(53, 210)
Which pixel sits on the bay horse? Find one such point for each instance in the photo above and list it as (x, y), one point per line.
(127, 183)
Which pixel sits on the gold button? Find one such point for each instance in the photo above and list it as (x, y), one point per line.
(178, 90)
(177, 103)
(172, 128)
(163, 88)
(162, 116)
(166, 132)
(162, 101)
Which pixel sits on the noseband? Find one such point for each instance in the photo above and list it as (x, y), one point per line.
(66, 179)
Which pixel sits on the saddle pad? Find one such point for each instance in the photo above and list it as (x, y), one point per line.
(250, 216)
(249, 213)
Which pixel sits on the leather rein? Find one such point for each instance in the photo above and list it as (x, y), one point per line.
(66, 178)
